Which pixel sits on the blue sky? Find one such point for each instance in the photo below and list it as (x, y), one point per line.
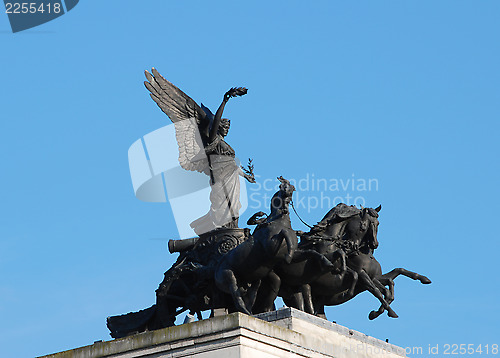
(403, 92)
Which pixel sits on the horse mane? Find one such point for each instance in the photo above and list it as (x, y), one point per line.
(339, 213)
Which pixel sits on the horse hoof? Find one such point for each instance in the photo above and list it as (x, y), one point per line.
(392, 314)
(425, 280)
(372, 315)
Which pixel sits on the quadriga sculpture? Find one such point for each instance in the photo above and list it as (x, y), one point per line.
(227, 267)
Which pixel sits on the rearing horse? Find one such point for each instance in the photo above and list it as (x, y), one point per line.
(344, 229)
(359, 232)
(273, 241)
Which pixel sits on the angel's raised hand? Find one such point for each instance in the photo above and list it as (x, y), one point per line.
(235, 92)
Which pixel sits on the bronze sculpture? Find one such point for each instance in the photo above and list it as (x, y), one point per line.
(200, 136)
(231, 268)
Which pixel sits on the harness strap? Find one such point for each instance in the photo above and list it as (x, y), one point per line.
(303, 222)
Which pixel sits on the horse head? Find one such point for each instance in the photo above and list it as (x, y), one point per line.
(370, 221)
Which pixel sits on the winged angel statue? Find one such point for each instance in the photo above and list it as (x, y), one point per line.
(200, 136)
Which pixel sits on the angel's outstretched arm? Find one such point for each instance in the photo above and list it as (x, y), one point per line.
(218, 117)
(233, 92)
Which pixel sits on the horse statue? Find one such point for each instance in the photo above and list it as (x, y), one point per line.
(241, 271)
(354, 231)
(361, 260)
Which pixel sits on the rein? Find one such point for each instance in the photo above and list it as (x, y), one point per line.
(303, 222)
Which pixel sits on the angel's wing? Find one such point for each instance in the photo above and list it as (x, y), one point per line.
(189, 119)
(191, 150)
(172, 101)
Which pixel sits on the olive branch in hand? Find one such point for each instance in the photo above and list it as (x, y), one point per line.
(235, 92)
(249, 170)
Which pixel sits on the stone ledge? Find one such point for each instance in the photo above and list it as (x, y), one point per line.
(294, 319)
(283, 333)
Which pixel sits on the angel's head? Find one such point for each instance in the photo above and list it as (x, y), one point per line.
(224, 127)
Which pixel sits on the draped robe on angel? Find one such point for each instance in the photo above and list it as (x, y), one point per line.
(225, 189)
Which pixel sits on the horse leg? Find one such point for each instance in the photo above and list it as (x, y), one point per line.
(302, 299)
(354, 275)
(227, 282)
(346, 295)
(401, 271)
(390, 292)
(388, 279)
(252, 294)
(267, 293)
(375, 314)
(382, 288)
(292, 298)
(291, 243)
(343, 258)
(322, 260)
(307, 297)
(319, 308)
(370, 286)
(298, 300)
(389, 298)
